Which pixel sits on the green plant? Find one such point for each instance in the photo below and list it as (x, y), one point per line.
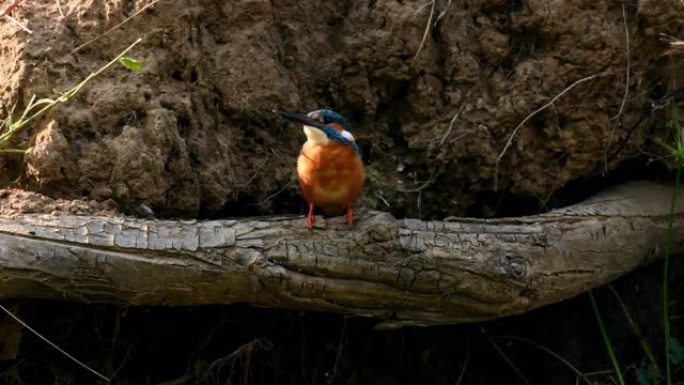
(606, 339)
(35, 108)
(649, 374)
(505, 357)
(674, 351)
(675, 151)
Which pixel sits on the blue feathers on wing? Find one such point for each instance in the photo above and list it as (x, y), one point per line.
(332, 133)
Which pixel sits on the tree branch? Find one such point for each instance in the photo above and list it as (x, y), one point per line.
(402, 271)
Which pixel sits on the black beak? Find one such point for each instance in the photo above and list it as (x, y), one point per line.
(299, 118)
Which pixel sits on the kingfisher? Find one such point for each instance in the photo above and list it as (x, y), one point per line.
(329, 165)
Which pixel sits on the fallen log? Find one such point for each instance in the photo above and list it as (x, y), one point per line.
(403, 271)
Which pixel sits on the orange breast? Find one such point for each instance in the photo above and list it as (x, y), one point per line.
(331, 176)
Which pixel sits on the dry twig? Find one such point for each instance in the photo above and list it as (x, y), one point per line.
(550, 352)
(627, 54)
(10, 8)
(18, 23)
(76, 360)
(428, 25)
(126, 20)
(451, 124)
(676, 47)
(530, 116)
(463, 367)
(59, 8)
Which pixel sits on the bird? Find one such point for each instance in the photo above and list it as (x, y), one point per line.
(329, 166)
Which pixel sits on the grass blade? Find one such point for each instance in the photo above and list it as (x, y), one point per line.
(606, 339)
(666, 276)
(506, 358)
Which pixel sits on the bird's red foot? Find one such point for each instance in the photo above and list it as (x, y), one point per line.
(310, 218)
(350, 216)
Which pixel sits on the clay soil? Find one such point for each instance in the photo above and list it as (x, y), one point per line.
(192, 135)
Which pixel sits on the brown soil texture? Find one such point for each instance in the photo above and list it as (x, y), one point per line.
(17, 201)
(192, 133)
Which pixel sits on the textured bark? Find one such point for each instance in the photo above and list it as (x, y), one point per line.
(402, 271)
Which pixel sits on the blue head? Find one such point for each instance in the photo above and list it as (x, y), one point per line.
(324, 125)
(328, 117)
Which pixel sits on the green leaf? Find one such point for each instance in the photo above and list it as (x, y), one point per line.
(130, 63)
(676, 351)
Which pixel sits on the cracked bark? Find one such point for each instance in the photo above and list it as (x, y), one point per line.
(401, 271)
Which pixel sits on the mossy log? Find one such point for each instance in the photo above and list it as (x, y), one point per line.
(403, 272)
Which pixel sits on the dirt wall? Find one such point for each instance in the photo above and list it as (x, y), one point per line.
(191, 134)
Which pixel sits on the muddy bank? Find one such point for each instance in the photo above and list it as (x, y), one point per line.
(191, 134)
